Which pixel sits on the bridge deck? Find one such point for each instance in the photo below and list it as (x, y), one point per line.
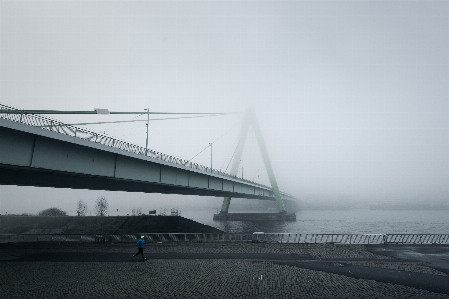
(39, 151)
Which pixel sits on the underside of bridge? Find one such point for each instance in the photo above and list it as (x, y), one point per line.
(31, 156)
(39, 152)
(22, 176)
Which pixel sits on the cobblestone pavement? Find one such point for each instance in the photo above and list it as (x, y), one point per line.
(412, 267)
(200, 278)
(314, 250)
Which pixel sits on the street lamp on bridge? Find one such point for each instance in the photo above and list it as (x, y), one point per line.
(148, 122)
(211, 155)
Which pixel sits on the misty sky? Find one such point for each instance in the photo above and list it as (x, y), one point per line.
(351, 96)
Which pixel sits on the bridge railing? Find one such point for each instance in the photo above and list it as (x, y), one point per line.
(290, 238)
(50, 124)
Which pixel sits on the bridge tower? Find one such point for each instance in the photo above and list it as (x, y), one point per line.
(251, 120)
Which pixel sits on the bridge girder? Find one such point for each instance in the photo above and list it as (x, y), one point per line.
(31, 156)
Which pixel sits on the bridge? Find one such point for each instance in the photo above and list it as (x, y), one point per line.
(36, 150)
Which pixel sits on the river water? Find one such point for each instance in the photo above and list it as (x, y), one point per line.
(351, 221)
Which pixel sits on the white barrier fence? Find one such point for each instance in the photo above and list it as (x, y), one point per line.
(353, 238)
(257, 237)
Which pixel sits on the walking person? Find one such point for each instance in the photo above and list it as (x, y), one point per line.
(140, 246)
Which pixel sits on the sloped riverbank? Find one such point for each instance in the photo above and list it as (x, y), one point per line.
(101, 225)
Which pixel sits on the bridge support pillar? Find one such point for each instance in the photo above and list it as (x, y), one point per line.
(250, 119)
(225, 205)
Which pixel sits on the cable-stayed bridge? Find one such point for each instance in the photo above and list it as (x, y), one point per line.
(36, 150)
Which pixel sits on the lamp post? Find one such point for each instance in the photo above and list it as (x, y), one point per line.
(148, 121)
(210, 156)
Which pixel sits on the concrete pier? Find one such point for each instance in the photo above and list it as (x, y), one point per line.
(255, 216)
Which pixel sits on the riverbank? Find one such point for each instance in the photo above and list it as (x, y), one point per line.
(101, 225)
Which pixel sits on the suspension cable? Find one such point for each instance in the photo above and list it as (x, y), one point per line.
(226, 132)
(232, 155)
(227, 156)
(214, 141)
(120, 123)
(98, 111)
(130, 121)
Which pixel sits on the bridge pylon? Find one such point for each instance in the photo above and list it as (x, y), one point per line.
(251, 120)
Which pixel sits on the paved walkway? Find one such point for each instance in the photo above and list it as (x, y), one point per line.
(223, 270)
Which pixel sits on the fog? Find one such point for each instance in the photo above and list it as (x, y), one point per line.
(351, 96)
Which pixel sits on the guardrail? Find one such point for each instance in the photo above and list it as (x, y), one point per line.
(417, 239)
(150, 237)
(50, 124)
(257, 237)
(319, 238)
(352, 238)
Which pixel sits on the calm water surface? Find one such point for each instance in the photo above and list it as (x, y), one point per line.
(356, 221)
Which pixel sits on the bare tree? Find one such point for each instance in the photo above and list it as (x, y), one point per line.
(81, 209)
(52, 212)
(101, 206)
(137, 211)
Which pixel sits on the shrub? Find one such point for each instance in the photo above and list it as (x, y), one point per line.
(52, 212)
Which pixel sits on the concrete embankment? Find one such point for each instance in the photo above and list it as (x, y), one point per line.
(101, 225)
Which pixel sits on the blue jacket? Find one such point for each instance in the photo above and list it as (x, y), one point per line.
(140, 243)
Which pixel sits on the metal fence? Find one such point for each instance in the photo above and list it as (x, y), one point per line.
(49, 124)
(153, 237)
(352, 238)
(319, 238)
(290, 238)
(417, 239)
